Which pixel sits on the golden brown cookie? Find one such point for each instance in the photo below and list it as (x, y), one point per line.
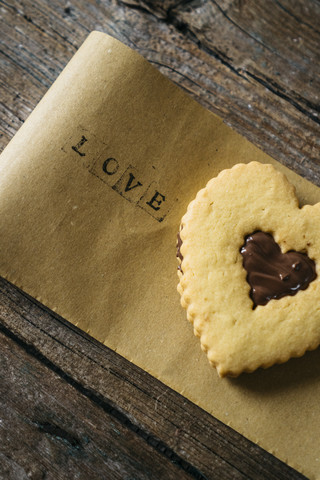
(249, 269)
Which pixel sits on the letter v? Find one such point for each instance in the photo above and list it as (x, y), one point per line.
(129, 185)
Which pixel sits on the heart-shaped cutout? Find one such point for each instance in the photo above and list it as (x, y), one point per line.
(272, 274)
(213, 281)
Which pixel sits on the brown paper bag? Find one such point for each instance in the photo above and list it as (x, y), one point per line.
(92, 189)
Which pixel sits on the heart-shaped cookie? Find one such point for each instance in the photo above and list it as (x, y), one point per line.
(237, 332)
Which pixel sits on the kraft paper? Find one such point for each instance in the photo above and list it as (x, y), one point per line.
(92, 190)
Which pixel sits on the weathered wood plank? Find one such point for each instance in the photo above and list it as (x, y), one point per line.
(267, 82)
(254, 63)
(49, 430)
(159, 416)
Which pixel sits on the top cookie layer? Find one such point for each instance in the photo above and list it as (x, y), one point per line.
(213, 286)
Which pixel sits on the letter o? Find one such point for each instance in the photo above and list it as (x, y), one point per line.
(110, 166)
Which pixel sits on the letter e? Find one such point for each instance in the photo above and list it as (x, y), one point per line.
(156, 201)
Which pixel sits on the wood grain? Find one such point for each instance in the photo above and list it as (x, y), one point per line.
(60, 434)
(256, 64)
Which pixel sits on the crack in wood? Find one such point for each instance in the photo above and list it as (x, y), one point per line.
(280, 92)
(298, 19)
(138, 7)
(58, 433)
(172, 69)
(243, 30)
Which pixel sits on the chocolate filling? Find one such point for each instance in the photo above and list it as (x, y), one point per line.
(179, 254)
(271, 273)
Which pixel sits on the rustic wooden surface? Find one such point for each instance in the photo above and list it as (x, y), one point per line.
(70, 407)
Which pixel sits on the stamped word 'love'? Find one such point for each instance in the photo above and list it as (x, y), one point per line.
(118, 173)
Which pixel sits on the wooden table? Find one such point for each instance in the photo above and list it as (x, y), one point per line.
(70, 407)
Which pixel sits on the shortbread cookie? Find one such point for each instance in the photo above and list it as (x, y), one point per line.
(249, 262)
